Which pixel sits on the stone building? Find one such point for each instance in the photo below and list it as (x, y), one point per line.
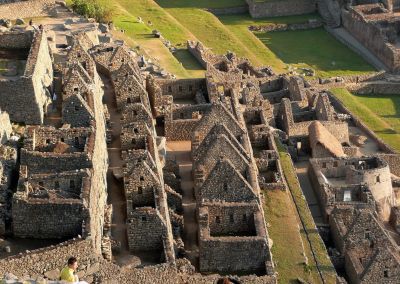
(354, 181)
(29, 77)
(61, 190)
(323, 143)
(149, 228)
(376, 25)
(227, 193)
(62, 187)
(296, 117)
(370, 253)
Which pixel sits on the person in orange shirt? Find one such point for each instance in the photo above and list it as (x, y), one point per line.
(68, 272)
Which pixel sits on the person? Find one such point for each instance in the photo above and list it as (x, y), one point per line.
(68, 272)
(30, 22)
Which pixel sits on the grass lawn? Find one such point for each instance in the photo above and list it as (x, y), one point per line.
(380, 112)
(182, 20)
(287, 250)
(276, 49)
(182, 63)
(317, 49)
(318, 247)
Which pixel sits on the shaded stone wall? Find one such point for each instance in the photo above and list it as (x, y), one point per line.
(31, 87)
(235, 220)
(182, 88)
(277, 8)
(371, 36)
(41, 219)
(246, 255)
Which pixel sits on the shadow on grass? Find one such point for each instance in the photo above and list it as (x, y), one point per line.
(315, 47)
(200, 4)
(246, 19)
(189, 62)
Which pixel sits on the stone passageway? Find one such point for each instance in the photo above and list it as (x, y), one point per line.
(116, 194)
(180, 151)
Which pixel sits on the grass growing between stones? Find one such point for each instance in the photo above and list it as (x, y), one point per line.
(314, 242)
(288, 249)
(316, 49)
(381, 113)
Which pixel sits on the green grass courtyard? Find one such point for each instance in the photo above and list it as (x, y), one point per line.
(182, 20)
(381, 113)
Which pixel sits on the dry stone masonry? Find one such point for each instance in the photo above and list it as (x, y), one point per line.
(151, 179)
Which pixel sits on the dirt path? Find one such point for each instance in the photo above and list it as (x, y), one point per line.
(180, 151)
(116, 193)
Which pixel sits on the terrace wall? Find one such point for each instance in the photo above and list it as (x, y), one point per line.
(259, 9)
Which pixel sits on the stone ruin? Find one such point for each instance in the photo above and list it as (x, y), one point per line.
(376, 26)
(29, 51)
(231, 120)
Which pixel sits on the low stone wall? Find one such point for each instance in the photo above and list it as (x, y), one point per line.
(49, 261)
(180, 130)
(287, 27)
(229, 10)
(278, 8)
(393, 161)
(375, 88)
(342, 109)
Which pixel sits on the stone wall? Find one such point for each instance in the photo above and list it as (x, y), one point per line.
(26, 9)
(340, 107)
(393, 161)
(43, 219)
(183, 88)
(180, 129)
(245, 254)
(42, 261)
(146, 230)
(16, 40)
(277, 8)
(371, 37)
(229, 10)
(31, 88)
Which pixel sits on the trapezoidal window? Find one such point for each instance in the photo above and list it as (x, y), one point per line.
(386, 273)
